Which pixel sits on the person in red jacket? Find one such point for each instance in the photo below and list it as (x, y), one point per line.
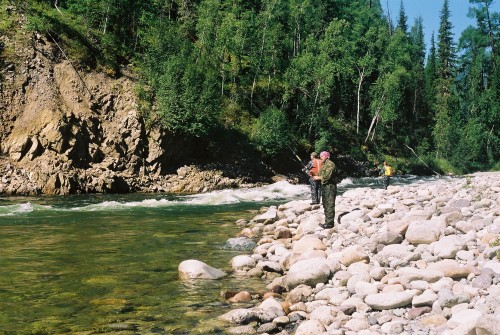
(312, 169)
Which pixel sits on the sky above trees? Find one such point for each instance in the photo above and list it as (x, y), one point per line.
(430, 10)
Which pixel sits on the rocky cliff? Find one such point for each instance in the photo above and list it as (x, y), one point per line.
(65, 131)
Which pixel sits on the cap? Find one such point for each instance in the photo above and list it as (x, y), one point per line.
(325, 154)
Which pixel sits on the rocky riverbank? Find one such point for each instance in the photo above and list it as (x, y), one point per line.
(187, 179)
(418, 259)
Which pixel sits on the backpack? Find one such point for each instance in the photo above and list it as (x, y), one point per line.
(389, 171)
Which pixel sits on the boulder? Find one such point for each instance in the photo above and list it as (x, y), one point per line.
(488, 325)
(309, 272)
(310, 327)
(463, 317)
(309, 224)
(239, 316)
(451, 268)
(423, 232)
(194, 269)
(242, 262)
(243, 296)
(428, 275)
(239, 243)
(418, 215)
(270, 215)
(308, 242)
(447, 246)
(381, 301)
(425, 299)
(269, 310)
(353, 254)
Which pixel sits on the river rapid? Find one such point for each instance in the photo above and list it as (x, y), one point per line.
(92, 264)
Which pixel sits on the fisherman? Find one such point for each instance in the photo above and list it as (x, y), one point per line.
(327, 176)
(312, 169)
(387, 173)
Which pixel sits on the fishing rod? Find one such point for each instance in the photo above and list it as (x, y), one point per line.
(296, 156)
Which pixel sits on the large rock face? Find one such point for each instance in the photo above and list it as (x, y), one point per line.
(56, 122)
(63, 131)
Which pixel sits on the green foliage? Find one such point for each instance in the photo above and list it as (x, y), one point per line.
(271, 132)
(496, 243)
(187, 102)
(469, 151)
(336, 138)
(336, 75)
(7, 18)
(445, 167)
(85, 47)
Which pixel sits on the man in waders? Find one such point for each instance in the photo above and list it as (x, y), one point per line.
(328, 187)
(312, 169)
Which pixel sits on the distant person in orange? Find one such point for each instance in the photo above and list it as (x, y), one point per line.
(312, 169)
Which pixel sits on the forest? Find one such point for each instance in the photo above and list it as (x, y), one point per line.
(279, 77)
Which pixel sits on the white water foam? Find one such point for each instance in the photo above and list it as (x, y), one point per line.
(22, 208)
(277, 191)
(115, 205)
(282, 190)
(345, 181)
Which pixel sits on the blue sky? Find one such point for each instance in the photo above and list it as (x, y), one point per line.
(430, 11)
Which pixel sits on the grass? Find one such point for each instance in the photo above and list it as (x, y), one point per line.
(496, 243)
(6, 18)
(496, 167)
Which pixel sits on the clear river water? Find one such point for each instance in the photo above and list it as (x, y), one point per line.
(92, 264)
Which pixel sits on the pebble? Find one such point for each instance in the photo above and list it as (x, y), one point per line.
(412, 259)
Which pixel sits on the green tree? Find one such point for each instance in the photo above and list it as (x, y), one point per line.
(417, 103)
(402, 19)
(271, 132)
(389, 92)
(477, 143)
(430, 85)
(445, 101)
(369, 35)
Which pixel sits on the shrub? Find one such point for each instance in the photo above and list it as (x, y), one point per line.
(272, 132)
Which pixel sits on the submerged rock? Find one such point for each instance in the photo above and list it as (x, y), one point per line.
(240, 243)
(194, 269)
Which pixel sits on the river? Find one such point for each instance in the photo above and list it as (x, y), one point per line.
(92, 264)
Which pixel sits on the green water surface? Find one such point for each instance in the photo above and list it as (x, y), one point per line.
(68, 270)
(107, 264)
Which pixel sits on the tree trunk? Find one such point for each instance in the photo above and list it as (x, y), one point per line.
(55, 5)
(490, 34)
(358, 109)
(375, 117)
(261, 55)
(106, 13)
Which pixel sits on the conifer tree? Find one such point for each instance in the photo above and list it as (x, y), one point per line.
(479, 103)
(403, 19)
(444, 90)
(417, 98)
(427, 120)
